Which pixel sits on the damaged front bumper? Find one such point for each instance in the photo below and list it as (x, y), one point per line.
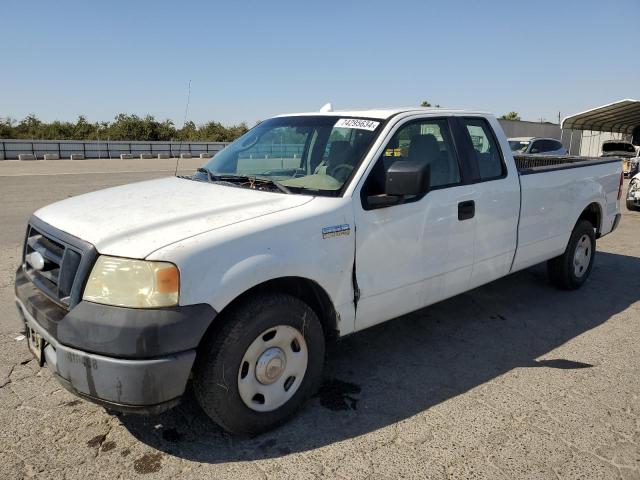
(134, 360)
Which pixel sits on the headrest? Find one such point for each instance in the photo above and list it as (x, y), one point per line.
(339, 152)
(423, 148)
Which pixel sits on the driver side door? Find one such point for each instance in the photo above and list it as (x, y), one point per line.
(420, 251)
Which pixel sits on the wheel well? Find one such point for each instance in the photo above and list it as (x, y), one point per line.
(306, 290)
(593, 215)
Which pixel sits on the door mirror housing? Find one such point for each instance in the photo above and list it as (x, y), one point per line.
(408, 178)
(403, 179)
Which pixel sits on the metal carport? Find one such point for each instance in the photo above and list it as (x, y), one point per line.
(618, 117)
(621, 117)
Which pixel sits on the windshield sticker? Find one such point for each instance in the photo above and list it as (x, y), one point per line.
(336, 231)
(358, 123)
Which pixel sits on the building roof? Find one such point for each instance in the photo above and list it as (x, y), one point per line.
(620, 117)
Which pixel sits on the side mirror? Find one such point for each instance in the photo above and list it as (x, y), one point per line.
(404, 179)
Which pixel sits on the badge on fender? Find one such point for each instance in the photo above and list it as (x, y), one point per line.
(336, 231)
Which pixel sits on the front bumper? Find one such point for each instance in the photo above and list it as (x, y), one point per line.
(128, 359)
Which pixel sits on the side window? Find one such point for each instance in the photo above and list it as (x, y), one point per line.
(556, 145)
(427, 141)
(485, 147)
(535, 147)
(546, 146)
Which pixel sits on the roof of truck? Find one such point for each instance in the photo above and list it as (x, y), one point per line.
(384, 113)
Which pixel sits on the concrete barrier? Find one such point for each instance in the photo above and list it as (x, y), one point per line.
(163, 155)
(76, 156)
(26, 156)
(51, 156)
(126, 156)
(185, 155)
(146, 155)
(206, 155)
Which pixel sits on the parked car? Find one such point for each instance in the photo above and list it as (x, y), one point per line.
(633, 193)
(627, 151)
(236, 277)
(536, 146)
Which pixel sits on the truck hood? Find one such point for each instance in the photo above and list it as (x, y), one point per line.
(135, 220)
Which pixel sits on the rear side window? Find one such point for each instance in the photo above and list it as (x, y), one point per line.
(548, 145)
(557, 145)
(486, 149)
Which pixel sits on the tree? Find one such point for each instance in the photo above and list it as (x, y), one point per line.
(123, 127)
(425, 103)
(510, 116)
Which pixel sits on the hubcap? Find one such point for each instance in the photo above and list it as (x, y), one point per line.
(582, 256)
(270, 365)
(272, 368)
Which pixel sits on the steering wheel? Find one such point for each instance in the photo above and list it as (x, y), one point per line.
(343, 166)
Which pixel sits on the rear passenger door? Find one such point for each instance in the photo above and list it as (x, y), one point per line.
(497, 198)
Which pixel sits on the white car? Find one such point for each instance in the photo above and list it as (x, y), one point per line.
(236, 277)
(536, 146)
(633, 193)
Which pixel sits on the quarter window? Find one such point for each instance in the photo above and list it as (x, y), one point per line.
(487, 153)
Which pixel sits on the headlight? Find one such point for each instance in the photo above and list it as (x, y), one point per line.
(133, 283)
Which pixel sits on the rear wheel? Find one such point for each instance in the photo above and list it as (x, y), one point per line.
(571, 269)
(260, 367)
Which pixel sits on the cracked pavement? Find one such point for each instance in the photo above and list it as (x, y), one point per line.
(512, 380)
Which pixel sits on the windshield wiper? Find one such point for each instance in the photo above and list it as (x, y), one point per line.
(242, 178)
(210, 175)
(247, 178)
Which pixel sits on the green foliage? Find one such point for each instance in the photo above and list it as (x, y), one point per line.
(123, 127)
(426, 103)
(510, 116)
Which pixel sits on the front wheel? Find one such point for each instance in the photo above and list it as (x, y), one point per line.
(571, 269)
(261, 365)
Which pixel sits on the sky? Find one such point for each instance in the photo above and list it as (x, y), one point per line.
(249, 60)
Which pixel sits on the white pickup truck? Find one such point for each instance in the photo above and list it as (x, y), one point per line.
(309, 227)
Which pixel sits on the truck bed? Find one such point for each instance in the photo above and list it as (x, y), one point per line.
(528, 164)
(553, 200)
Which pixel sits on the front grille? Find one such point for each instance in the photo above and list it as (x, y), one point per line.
(56, 262)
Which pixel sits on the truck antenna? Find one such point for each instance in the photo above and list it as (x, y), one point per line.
(184, 122)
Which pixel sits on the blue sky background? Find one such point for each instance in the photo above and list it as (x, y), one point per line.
(249, 60)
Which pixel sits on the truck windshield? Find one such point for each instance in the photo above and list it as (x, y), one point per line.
(306, 154)
(518, 145)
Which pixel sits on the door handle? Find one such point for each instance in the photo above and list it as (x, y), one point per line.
(466, 210)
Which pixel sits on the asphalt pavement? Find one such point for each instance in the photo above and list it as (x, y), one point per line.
(512, 380)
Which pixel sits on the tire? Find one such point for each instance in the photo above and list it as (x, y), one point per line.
(571, 269)
(235, 360)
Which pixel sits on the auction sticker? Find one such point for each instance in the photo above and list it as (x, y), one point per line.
(358, 123)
